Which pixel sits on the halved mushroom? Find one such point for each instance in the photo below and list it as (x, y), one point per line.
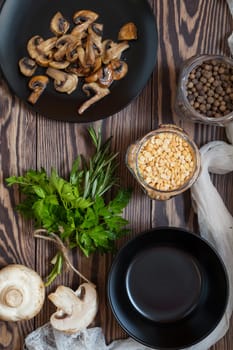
(33, 44)
(63, 82)
(27, 66)
(99, 93)
(112, 50)
(83, 19)
(75, 310)
(38, 84)
(128, 32)
(22, 293)
(119, 69)
(59, 25)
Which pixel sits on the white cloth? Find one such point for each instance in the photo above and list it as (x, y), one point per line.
(46, 338)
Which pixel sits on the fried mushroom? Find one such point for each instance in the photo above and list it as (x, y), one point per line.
(128, 32)
(83, 19)
(119, 69)
(63, 82)
(59, 25)
(98, 91)
(112, 50)
(38, 84)
(27, 66)
(33, 44)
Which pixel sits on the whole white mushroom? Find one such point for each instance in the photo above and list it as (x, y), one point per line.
(22, 293)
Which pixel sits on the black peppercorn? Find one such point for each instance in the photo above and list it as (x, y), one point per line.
(210, 88)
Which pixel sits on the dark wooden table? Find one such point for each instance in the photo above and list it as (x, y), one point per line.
(28, 140)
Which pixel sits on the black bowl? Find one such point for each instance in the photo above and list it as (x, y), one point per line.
(168, 288)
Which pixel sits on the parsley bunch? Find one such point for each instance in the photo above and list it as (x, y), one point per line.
(76, 209)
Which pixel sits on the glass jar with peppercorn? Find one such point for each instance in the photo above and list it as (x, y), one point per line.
(205, 90)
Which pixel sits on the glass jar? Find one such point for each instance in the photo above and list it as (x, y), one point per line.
(204, 105)
(165, 162)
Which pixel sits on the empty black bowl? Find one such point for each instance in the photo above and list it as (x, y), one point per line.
(168, 288)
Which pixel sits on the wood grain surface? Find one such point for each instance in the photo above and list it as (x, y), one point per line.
(28, 140)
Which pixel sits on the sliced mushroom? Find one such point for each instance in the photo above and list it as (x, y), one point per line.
(62, 44)
(80, 71)
(72, 52)
(112, 50)
(22, 293)
(59, 64)
(38, 84)
(43, 60)
(27, 66)
(104, 76)
(94, 42)
(128, 32)
(46, 46)
(63, 82)
(75, 310)
(83, 19)
(99, 93)
(119, 69)
(33, 44)
(59, 25)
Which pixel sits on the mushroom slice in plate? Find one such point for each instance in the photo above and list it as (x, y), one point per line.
(112, 50)
(83, 19)
(62, 44)
(43, 60)
(128, 32)
(94, 42)
(99, 93)
(95, 30)
(59, 25)
(63, 82)
(38, 84)
(27, 66)
(46, 46)
(72, 52)
(22, 293)
(59, 64)
(119, 69)
(33, 44)
(75, 310)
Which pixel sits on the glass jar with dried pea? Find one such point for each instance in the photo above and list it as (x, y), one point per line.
(165, 162)
(205, 90)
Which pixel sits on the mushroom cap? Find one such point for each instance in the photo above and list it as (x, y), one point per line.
(22, 293)
(75, 310)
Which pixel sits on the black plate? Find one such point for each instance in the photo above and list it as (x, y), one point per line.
(20, 20)
(168, 288)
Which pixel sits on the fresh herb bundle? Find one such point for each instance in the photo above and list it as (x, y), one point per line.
(75, 209)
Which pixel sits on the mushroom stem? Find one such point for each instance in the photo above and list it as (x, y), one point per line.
(44, 234)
